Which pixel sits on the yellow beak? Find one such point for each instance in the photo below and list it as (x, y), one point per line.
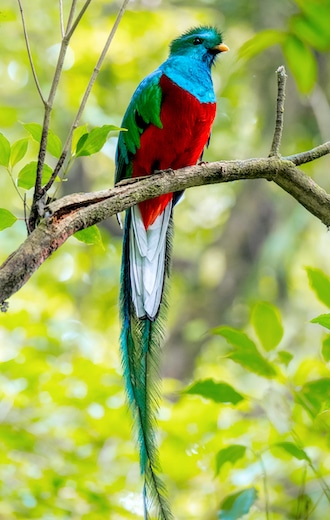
(222, 47)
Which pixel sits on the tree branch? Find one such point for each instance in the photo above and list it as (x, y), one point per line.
(85, 97)
(74, 212)
(28, 49)
(281, 82)
(310, 155)
(39, 190)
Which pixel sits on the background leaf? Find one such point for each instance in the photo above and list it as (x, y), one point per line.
(54, 143)
(77, 134)
(297, 53)
(94, 141)
(323, 319)
(284, 357)
(314, 396)
(313, 26)
(320, 283)
(238, 504)
(18, 151)
(4, 150)
(267, 323)
(90, 236)
(230, 454)
(216, 391)
(7, 219)
(260, 42)
(293, 450)
(27, 175)
(326, 348)
(245, 353)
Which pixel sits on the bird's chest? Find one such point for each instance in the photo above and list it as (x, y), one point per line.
(186, 127)
(184, 118)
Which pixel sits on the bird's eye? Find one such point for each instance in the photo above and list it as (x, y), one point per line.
(197, 41)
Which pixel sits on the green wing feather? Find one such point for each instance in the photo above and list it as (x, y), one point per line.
(143, 110)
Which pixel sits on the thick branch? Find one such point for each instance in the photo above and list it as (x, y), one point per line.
(74, 212)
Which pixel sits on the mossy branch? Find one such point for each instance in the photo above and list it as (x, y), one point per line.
(75, 212)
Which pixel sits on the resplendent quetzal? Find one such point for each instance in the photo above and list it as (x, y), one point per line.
(168, 124)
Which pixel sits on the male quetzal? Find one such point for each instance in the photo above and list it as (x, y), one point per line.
(168, 124)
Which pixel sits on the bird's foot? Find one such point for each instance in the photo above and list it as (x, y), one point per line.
(168, 171)
(202, 163)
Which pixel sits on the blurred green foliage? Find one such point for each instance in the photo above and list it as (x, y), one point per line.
(244, 424)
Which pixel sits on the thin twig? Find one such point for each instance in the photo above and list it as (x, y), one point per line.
(281, 81)
(265, 481)
(61, 18)
(27, 43)
(38, 190)
(70, 30)
(71, 16)
(85, 96)
(99, 64)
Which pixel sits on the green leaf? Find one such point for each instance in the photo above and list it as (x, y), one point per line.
(311, 31)
(284, 357)
(216, 391)
(77, 134)
(238, 504)
(90, 236)
(7, 219)
(260, 42)
(293, 450)
(4, 150)
(267, 323)
(246, 352)
(315, 26)
(301, 62)
(314, 396)
(230, 454)
(27, 175)
(18, 151)
(93, 141)
(54, 143)
(323, 319)
(326, 349)
(320, 283)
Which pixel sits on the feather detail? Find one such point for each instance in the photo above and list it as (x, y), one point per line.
(141, 339)
(147, 261)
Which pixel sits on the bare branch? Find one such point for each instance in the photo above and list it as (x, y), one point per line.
(86, 96)
(99, 63)
(281, 81)
(310, 155)
(27, 43)
(78, 211)
(60, 4)
(70, 17)
(71, 29)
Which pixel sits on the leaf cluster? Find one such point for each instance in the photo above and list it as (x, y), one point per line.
(278, 436)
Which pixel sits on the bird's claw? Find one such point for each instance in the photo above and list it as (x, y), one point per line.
(168, 171)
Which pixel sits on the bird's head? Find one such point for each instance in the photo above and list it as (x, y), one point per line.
(201, 43)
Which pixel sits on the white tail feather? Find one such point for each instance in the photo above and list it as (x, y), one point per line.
(147, 261)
